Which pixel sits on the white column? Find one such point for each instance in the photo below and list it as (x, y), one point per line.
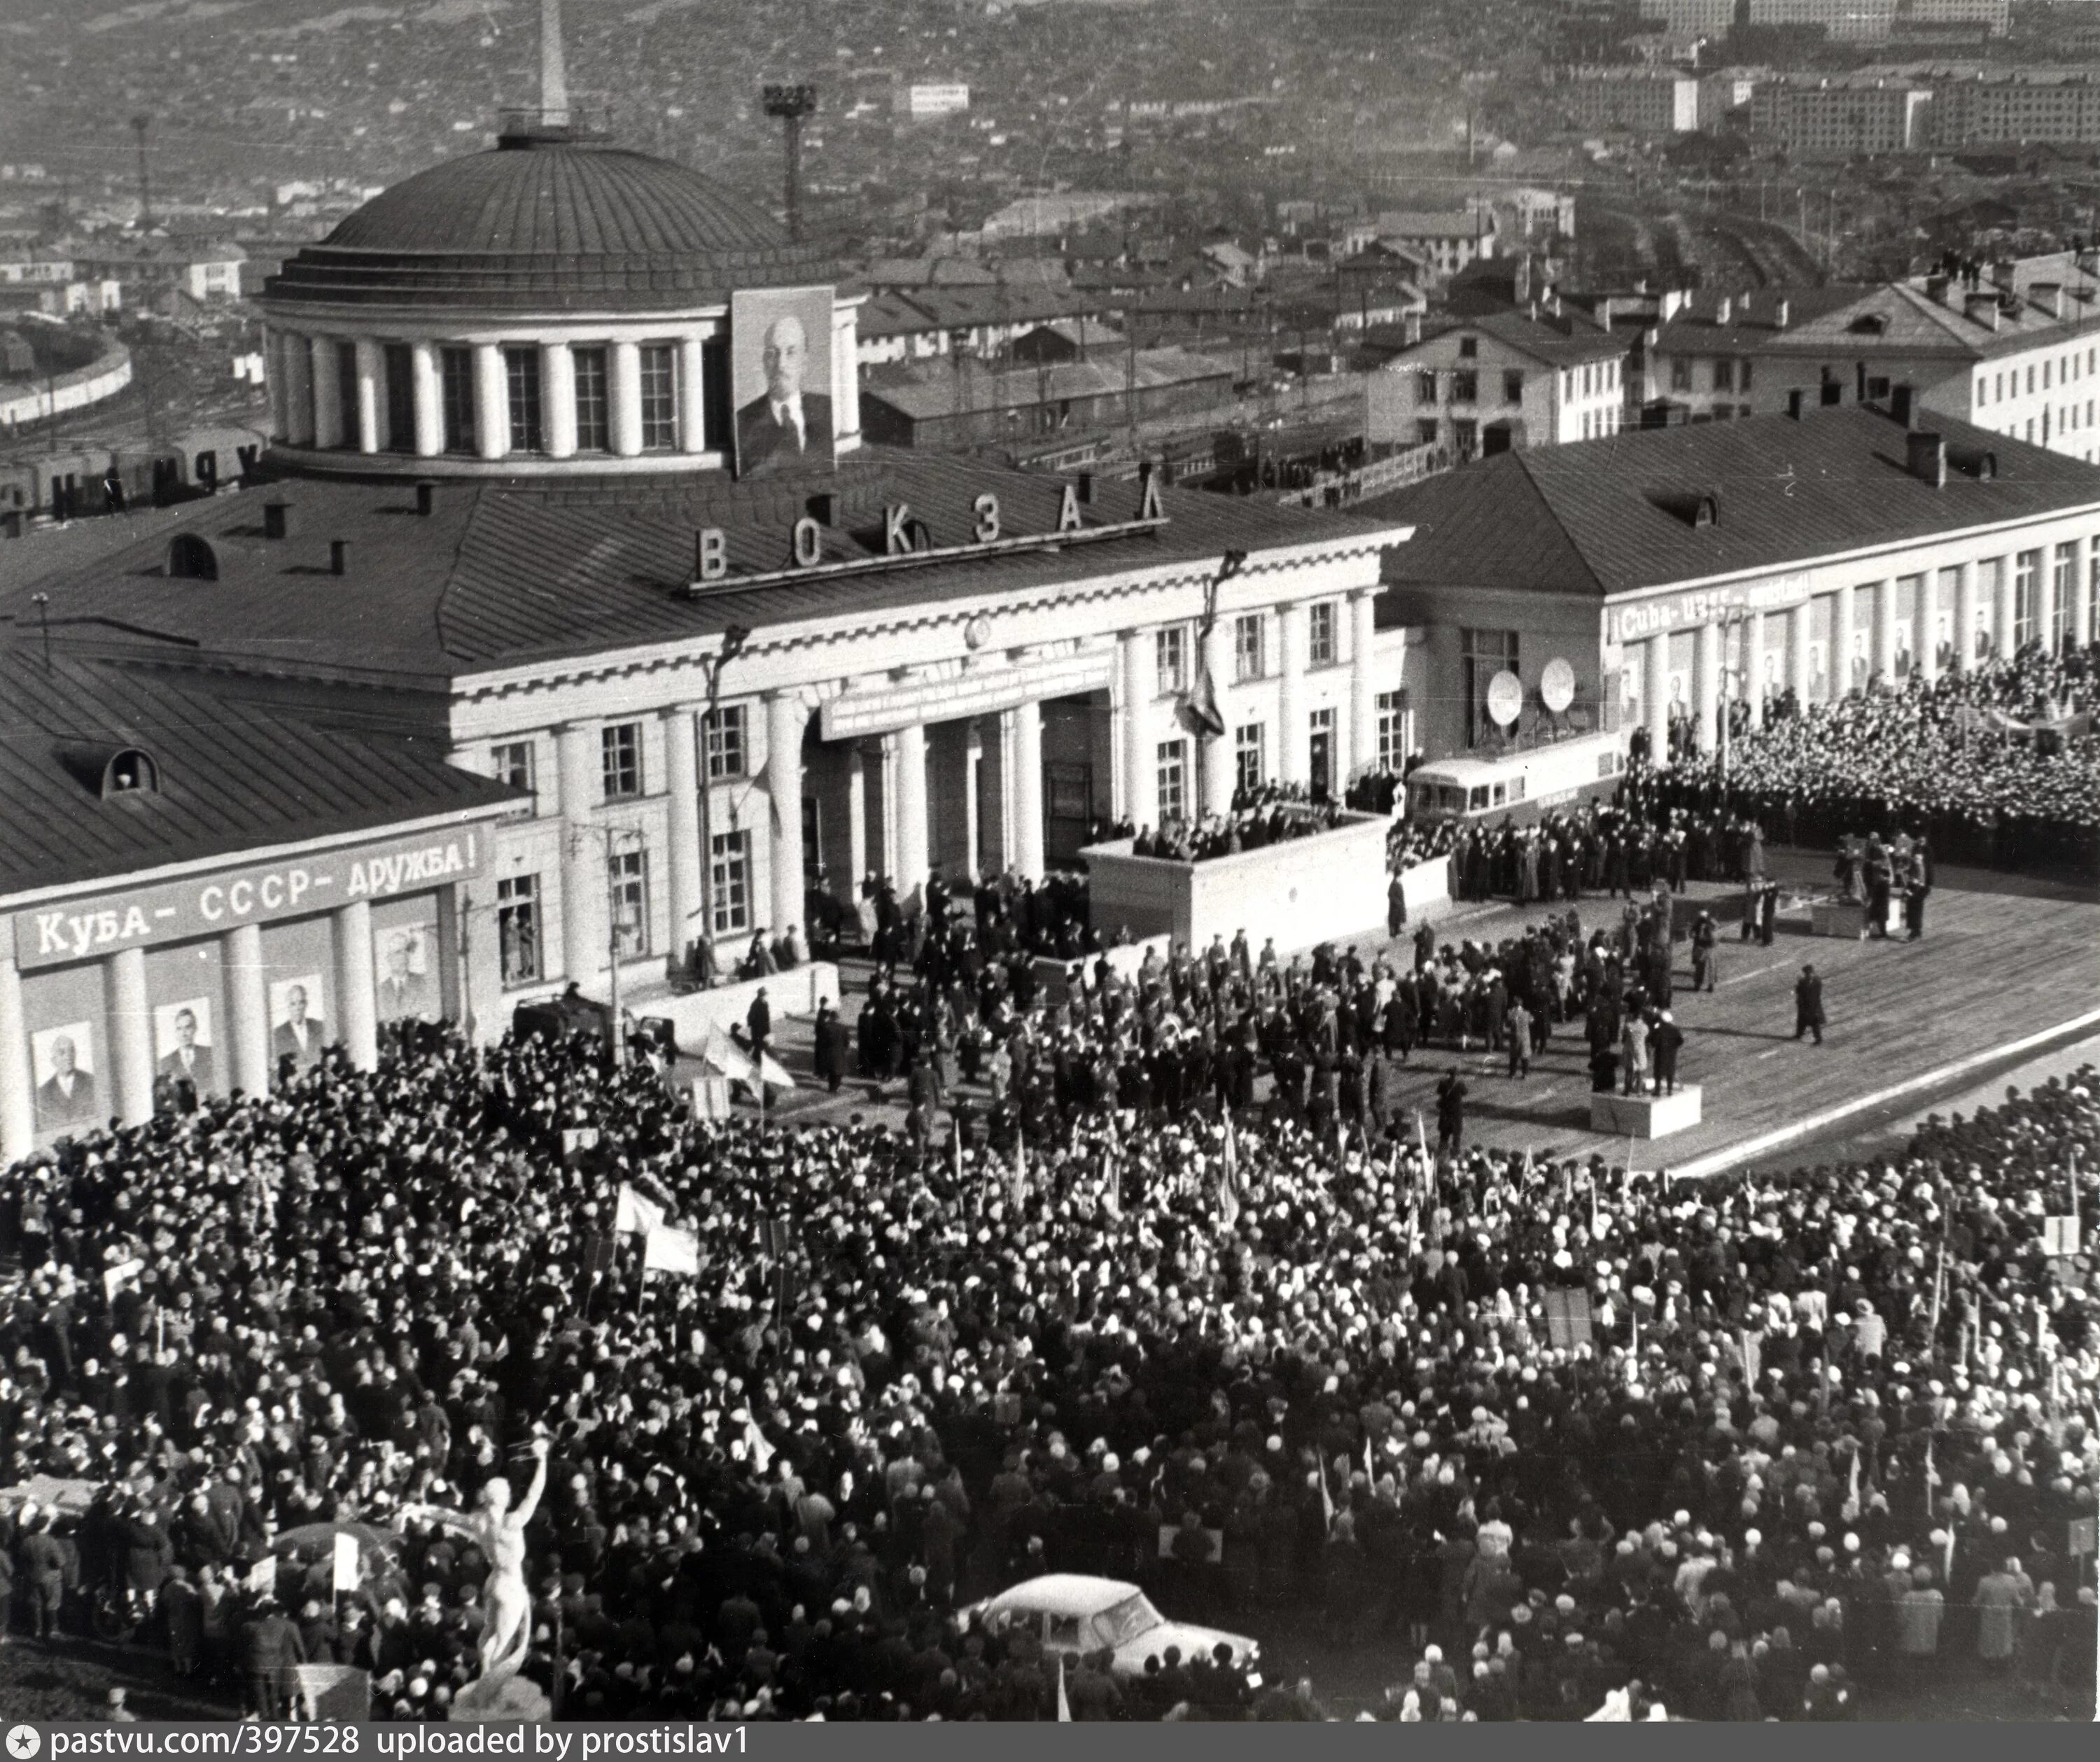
(579, 766)
(692, 399)
(681, 782)
(1706, 684)
(1022, 737)
(1655, 697)
(357, 1008)
(1800, 633)
(130, 1036)
(18, 1083)
(1216, 751)
(2045, 599)
(1843, 619)
(278, 352)
(427, 383)
(1139, 779)
(1753, 668)
(1965, 617)
(2081, 593)
(785, 719)
(857, 864)
(626, 399)
(558, 402)
(905, 805)
(2004, 625)
(972, 811)
(248, 1008)
(298, 390)
(1291, 729)
(328, 394)
(1363, 684)
(371, 395)
(491, 402)
(1882, 666)
(1925, 628)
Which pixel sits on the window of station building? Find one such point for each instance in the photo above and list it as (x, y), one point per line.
(659, 397)
(344, 366)
(521, 372)
(621, 744)
(728, 748)
(594, 414)
(1247, 646)
(1173, 759)
(1513, 385)
(1392, 731)
(513, 764)
(455, 383)
(1319, 645)
(1170, 649)
(518, 928)
(1250, 756)
(398, 361)
(2063, 585)
(729, 856)
(627, 876)
(2026, 594)
(1482, 655)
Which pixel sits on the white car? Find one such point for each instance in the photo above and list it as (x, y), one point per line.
(1074, 1614)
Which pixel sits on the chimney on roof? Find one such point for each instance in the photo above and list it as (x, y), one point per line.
(1925, 457)
(338, 556)
(2048, 296)
(1901, 402)
(1086, 488)
(1781, 314)
(276, 519)
(426, 496)
(1982, 309)
(1726, 310)
(1797, 403)
(1831, 393)
(1936, 288)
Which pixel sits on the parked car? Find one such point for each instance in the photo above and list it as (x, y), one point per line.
(1075, 1614)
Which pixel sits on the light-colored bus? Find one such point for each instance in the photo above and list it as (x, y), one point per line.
(1522, 784)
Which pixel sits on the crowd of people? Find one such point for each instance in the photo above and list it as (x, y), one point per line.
(1257, 818)
(1546, 1434)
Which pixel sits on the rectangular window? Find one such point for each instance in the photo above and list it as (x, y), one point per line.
(1680, 374)
(1425, 386)
(1469, 348)
(1173, 781)
(518, 928)
(521, 372)
(345, 391)
(1743, 376)
(1250, 757)
(513, 764)
(1513, 385)
(2064, 584)
(1482, 655)
(1170, 650)
(1320, 634)
(1465, 387)
(726, 745)
(455, 373)
(621, 744)
(2027, 592)
(627, 876)
(397, 361)
(1392, 731)
(1724, 375)
(659, 397)
(594, 422)
(1428, 434)
(730, 862)
(1246, 647)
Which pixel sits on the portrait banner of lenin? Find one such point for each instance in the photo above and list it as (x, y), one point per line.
(780, 379)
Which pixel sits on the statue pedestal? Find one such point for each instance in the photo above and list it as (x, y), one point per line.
(1645, 1116)
(508, 1701)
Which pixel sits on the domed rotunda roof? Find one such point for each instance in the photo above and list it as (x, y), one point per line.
(553, 220)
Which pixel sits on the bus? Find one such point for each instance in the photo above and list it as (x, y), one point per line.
(1523, 784)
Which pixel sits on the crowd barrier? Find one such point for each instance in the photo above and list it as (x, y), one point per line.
(798, 992)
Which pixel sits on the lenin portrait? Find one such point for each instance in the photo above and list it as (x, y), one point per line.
(780, 377)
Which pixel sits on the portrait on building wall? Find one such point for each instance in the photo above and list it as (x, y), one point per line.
(406, 981)
(780, 378)
(62, 1061)
(296, 1021)
(182, 1043)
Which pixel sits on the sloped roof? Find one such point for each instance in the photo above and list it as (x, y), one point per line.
(928, 392)
(500, 574)
(232, 775)
(1606, 517)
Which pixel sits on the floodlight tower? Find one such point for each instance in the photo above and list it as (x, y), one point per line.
(791, 104)
(139, 124)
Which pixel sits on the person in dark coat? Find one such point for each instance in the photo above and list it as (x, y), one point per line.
(270, 1648)
(760, 1022)
(828, 1054)
(1808, 1017)
(1666, 1040)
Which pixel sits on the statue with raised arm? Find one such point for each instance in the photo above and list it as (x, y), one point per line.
(498, 1528)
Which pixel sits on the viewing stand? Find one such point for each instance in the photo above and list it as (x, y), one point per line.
(1645, 1116)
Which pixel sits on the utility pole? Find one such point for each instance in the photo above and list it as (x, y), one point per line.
(139, 124)
(790, 104)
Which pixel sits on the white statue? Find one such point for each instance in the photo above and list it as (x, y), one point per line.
(498, 1528)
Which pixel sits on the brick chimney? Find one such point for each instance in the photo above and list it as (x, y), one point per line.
(1925, 457)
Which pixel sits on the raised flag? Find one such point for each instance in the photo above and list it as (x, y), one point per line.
(1326, 1499)
(117, 1278)
(1112, 1195)
(636, 1214)
(1018, 1187)
(956, 1122)
(668, 1249)
(760, 1447)
(346, 1567)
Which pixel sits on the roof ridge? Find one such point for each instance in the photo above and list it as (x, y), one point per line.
(452, 572)
(1525, 457)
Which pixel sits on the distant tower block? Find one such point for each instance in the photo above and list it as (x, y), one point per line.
(554, 66)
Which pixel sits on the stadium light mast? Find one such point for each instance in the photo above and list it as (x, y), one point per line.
(790, 104)
(554, 67)
(139, 124)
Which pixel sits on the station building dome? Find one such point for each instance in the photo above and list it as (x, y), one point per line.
(555, 305)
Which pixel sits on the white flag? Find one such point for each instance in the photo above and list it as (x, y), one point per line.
(671, 1250)
(637, 1214)
(348, 1574)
